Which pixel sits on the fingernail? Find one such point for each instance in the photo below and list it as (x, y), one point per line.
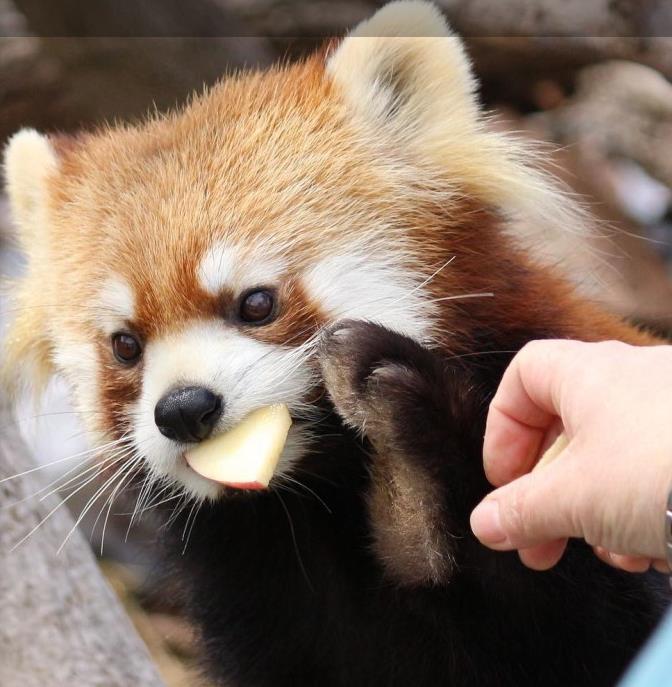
(486, 523)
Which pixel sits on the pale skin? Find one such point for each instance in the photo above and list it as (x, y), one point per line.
(610, 485)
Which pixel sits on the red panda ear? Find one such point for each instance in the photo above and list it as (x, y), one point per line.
(406, 80)
(30, 158)
(407, 75)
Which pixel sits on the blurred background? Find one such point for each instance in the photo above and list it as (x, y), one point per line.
(589, 77)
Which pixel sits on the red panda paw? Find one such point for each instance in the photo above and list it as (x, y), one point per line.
(371, 374)
(384, 385)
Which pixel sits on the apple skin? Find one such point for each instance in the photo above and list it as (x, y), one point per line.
(258, 486)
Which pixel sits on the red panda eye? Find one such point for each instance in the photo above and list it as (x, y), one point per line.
(126, 348)
(257, 306)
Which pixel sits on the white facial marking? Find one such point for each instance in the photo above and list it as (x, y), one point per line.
(217, 268)
(247, 374)
(226, 266)
(79, 366)
(376, 289)
(115, 305)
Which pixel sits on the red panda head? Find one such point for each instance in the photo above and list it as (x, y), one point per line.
(205, 250)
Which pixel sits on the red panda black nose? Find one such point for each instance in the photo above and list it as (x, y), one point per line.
(188, 414)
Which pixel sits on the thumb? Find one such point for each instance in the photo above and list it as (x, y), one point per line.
(532, 510)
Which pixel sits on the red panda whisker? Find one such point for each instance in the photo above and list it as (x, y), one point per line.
(49, 486)
(291, 371)
(116, 457)
(295, 357)
(186, 524)
(95, 449)
(147, 483)
(487, 294)
(82, 433)
(193, 514)
(153, 506)
(39, 416)
(135, 510)
(82, 475)
(109, 509)
(179, 507)
(53, 510)
(431, 276)
(99, 492)
(283, 487)
(312, 475)
(308, 489)
(252, 366)
(298, 334)
(396, 301)
(109, 503)
(157, 501)
(296, 546)
(116, 451)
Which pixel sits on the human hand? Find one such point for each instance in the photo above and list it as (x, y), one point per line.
(610, 484)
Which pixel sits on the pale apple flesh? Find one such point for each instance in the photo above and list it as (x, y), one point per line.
(246, 456)
(553, 451)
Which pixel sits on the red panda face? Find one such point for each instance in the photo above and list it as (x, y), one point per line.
(207, 253)
(198, 256)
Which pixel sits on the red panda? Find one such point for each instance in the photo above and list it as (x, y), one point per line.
(338, 235)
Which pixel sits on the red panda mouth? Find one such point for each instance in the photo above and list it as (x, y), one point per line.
(246, 456)
(239, 486)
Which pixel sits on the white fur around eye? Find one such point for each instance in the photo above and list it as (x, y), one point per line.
(77, 362)
(362, 287)
(115, 304)
(217, 268)
(226, 266)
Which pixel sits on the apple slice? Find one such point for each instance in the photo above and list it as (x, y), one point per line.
(553, 451)
(247, 455)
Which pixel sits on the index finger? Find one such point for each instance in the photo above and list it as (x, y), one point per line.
(526, 408)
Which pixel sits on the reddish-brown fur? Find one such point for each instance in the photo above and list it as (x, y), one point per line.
(286, 162)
